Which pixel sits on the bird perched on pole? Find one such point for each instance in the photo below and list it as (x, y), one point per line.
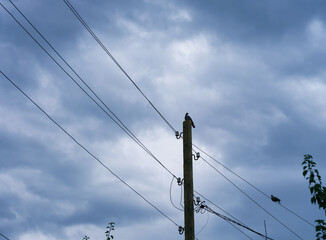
(275, 199)
(187, 117)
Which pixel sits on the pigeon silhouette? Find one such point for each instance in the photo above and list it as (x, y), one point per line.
(187, 117)
(275, 199)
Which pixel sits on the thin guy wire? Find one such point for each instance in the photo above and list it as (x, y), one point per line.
(251, 184)
(74, 11)
(130, 135)
(86, 150)
(4, 236)
(171, 196)
(252, 199)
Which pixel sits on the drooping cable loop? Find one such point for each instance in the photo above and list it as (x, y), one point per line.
(171, 196)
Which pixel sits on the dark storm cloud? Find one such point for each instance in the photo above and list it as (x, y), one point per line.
(256, 21)
(250, 73)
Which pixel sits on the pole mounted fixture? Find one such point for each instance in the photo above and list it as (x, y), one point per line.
(178, 135)
(197, 156)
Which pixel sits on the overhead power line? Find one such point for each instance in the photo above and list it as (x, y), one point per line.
(82, 21)
(211, 202)
(114, 118)
(4, 236)
(250, 184)
(86, 150)
(284, 225)
(122, 125)
(232, 221)
(238, 229)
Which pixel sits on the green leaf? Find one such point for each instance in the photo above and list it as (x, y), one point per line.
(305, 172)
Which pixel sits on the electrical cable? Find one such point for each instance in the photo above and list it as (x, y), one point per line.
(231, 171)
(231, 220)
(87, 151)
(75, 12)
(252, 199)
(4, 236)
(181, 197)
(82, 21)
(205, 225)
(171, 196)
(133, 137)
(250, 184)
(211, 202)
(122, 126)
(239, 230)
(225, 213)
(295, 214)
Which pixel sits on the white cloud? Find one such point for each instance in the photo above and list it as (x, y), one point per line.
(307, 96)
(190, 53)
(316, 31)
(13, 184)
(36, 235)
(181, 15)
(77, 232)
(47, 95)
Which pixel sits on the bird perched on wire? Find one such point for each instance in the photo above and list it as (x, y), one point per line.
(275, 199)
(187, 117)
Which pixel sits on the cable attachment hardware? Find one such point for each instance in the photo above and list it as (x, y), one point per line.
(178, 135)
(181, 230)
(197, 201)
(197, 156)
(200, 205)
(180, 182)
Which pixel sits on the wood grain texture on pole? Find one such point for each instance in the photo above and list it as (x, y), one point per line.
(188, 181)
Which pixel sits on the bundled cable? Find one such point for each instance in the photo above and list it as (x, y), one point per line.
(208, 209)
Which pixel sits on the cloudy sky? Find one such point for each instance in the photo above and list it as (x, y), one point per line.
(250, 73)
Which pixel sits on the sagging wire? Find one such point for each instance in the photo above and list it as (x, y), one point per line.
(207, 220)
(171, 195)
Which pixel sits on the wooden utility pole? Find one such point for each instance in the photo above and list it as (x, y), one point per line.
(188, 181)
